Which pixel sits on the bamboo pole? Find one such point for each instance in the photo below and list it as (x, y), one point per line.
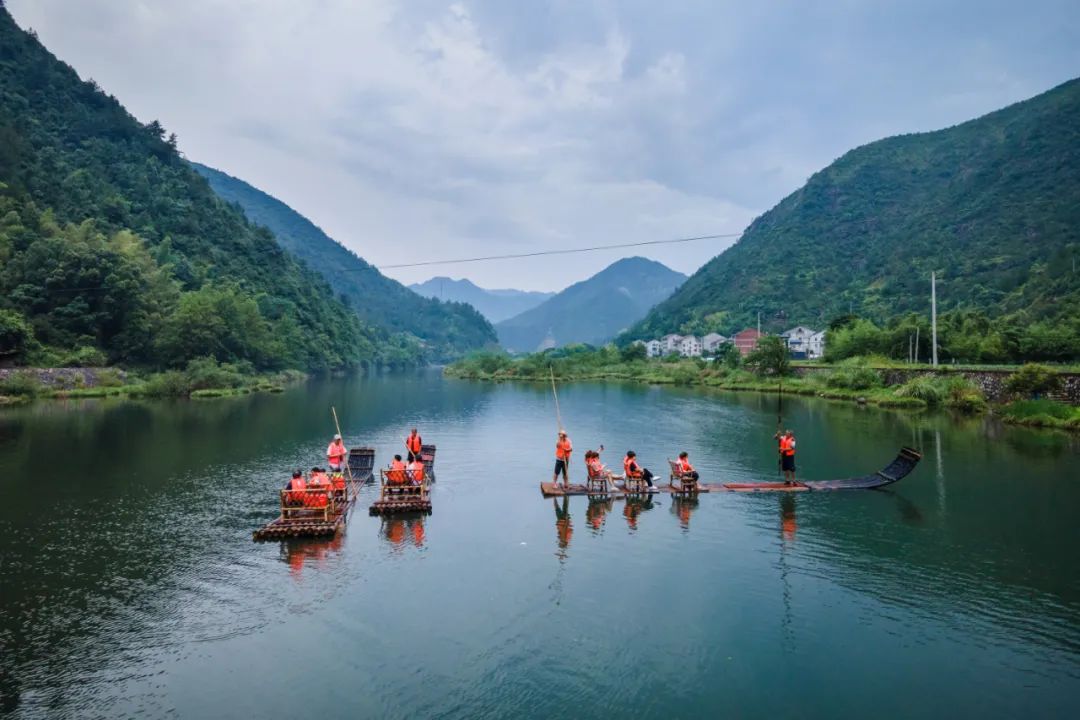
(348, 471)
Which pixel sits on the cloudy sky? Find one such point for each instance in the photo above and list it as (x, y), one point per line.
(435, 130)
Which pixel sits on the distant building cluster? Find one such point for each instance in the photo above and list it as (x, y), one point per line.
(801, 341)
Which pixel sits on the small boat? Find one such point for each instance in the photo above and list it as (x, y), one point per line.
(398, 494)
(906, 461)
(319, 512)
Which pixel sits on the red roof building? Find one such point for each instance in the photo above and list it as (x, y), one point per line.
(746, 340)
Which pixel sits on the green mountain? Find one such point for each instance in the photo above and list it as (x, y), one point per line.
(448, 329)
(991, 205)
(111, 243)
(495, 305)
(592, 311)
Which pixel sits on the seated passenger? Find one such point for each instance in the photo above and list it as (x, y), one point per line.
(396, 474)
(318, 480)
(632, 469)
(686, 470)
(597, 469)
(295, 488)
(415, 471)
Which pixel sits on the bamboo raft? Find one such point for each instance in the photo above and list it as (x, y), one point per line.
(398, 495)
(318, 512)
(906, 461)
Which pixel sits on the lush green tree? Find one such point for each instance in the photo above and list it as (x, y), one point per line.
(16, 335)
(770, 356)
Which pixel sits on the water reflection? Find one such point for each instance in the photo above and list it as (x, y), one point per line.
(635, 505)
(299, 554)
(597, 511)
(564, 528)
(683, 507)
(788, 521)
(404, 529)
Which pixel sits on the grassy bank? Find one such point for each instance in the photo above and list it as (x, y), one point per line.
(201, 379)
(855, 380)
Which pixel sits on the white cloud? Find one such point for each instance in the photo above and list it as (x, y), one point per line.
(435, 130)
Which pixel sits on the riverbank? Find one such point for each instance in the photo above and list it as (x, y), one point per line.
(853, 380)
(202, 379)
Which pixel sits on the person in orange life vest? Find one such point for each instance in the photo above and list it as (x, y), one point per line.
(563, 448)
(686, 470)
(787, 456)
(414, 445)
(296, 487)
(415, 471)
(396, 474)
(318, 480)
(632, 469)
(598, 469)
(336, 453)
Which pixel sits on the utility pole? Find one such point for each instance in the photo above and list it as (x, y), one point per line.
(933, 314)
(917, 328)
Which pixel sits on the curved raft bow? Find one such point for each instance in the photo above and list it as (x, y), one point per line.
(897, 470)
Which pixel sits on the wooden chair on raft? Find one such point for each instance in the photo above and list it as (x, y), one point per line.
(595, 483)
(313, 503)
(400, 485)
(687, 484)
(636, 484)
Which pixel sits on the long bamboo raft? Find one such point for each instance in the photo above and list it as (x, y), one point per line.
(317, 512)
(906, 461)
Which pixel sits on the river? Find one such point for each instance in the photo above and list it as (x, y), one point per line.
(131, 585)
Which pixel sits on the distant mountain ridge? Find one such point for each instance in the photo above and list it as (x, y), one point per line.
(495, 305)
(448, 329)
(592, 311)
(990, 204)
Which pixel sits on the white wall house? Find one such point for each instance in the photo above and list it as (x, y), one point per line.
(670, 343)
(653, 348)
(816, 345)
(798, 339)
(712, 342)
(690, 346)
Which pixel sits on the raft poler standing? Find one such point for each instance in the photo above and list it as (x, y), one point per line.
(787, 455)
(335, 454)
(563, 448)
(414, 444)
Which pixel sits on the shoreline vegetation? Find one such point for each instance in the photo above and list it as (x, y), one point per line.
(203, 378)
(857, 379)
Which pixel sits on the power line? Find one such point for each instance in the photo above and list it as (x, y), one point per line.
(556, 252)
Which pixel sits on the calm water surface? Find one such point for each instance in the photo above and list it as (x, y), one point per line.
(130, 585)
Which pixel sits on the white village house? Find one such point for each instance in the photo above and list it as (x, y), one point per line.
(670, 343)
(654, 348)
(712, 342)
(804, 341)
(690, 346)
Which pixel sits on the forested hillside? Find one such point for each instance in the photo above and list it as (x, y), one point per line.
(110, 244)
(447, 328)
(594, 310)
(991, 205)
(495, 305)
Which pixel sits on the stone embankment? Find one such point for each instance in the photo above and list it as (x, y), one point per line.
(991, 382)
(66, 378)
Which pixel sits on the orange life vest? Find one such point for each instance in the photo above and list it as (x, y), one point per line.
(296, 490)
(335, 453)
(417, 470)
(414, 443)
(787, 445)
(630, 467)
(563, 448)
(685, 466)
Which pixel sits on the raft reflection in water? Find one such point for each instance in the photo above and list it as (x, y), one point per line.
(298, 553)
(400, 529)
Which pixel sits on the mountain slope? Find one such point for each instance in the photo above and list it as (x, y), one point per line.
(594, 310)
(495, 305)
(991, 205)
(110, 240)
(448, 329)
